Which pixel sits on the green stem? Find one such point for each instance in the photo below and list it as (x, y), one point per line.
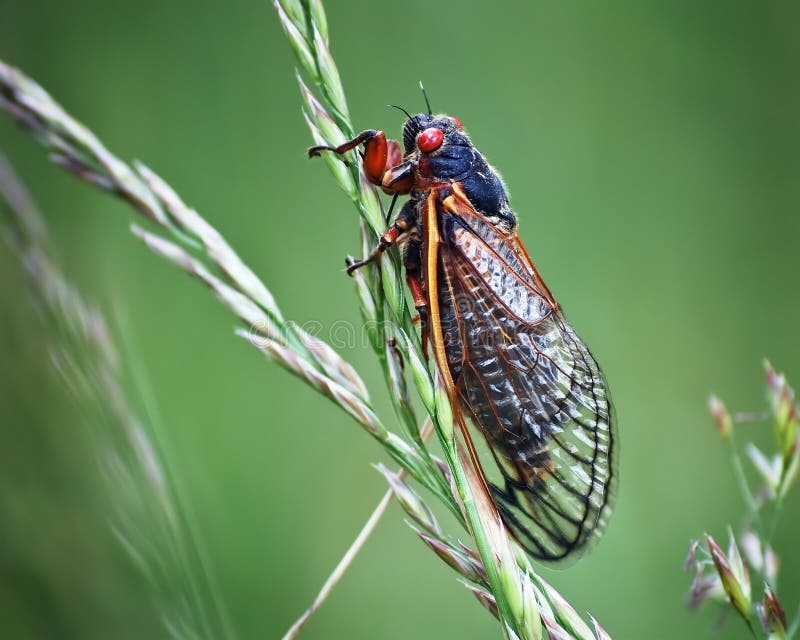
(400, 317)
(479, 534)
(777, 512)
(744, 487)
(795, 624)
(184, 512)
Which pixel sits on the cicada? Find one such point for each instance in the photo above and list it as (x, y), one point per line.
(501, 342)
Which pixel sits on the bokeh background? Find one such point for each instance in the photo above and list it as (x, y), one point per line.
(651, 150)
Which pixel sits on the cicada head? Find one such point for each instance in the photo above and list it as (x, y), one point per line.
(438, 151)
(415, 125)
(439, 148)
(434, 135)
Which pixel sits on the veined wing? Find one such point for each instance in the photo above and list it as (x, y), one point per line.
(530, 385)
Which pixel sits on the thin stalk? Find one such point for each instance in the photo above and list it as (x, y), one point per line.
(741, 480)
(775, 517)
(197, 547)
(342, 566)
(794, 626)
(352, 551)
(148, 518)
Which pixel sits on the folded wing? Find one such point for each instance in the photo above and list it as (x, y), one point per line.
(530, 385)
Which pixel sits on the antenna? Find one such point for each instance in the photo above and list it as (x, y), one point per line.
(394, 106)
(425, 95)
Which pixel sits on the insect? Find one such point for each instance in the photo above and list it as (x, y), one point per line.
(500, 340)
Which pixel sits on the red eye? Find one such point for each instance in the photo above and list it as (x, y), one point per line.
(430, 139)
(457, 122)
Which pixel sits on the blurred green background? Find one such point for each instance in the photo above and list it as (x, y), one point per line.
(651, 150)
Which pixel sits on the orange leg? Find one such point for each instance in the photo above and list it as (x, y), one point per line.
(376, 152)
(404, 222)
(382, 160)
(387, 240)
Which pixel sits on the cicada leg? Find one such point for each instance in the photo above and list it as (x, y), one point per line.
(382, 160)
(402, 225)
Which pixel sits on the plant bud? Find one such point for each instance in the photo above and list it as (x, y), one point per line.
(720, 415)
(738, 590)
(772, 616)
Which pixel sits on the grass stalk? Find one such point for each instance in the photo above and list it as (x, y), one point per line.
(327, 119)
(149, 516)
(342, 566)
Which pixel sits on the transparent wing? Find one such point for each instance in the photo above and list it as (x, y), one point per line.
(531, 387)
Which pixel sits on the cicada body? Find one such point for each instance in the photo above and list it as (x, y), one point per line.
(502, 345)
